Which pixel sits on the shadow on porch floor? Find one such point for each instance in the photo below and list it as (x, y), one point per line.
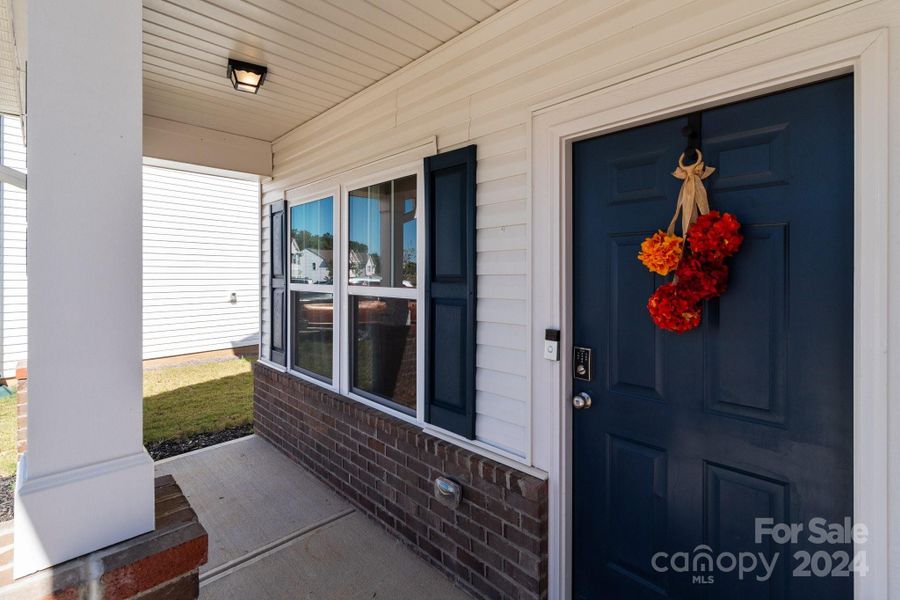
(275, 531)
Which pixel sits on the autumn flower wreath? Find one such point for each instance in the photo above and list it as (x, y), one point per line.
(699, 266)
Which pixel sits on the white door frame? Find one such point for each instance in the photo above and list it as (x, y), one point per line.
(786, 58)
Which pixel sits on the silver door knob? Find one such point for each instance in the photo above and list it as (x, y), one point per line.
(582, 400)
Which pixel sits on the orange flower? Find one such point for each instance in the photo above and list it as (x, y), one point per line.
(661, 252)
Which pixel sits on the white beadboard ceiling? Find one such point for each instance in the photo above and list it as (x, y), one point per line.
(319, 53)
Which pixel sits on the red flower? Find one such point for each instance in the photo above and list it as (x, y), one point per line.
(704, 280)
(715, 236)
(700, 274)
(674, 308)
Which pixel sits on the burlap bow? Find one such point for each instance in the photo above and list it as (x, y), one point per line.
(692, 200)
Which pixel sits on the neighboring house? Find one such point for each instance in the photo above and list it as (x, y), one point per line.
(310, 266)
(200, 249)
(362, 268)
(14, 292)
(201, 258)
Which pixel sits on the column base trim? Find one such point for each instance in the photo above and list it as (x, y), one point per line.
(64, 515)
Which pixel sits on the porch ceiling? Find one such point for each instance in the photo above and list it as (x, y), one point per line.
(319, 53)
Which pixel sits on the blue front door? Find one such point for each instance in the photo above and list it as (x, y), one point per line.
(691, 438)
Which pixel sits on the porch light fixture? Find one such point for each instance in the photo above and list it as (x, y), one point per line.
(246, 77)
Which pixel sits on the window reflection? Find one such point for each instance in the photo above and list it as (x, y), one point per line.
(384, 349)
(313, 332)
(312, 242)
(383, 234)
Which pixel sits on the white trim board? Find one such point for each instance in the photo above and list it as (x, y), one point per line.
(12, 176)
(193, 168)
(174, 141)
(56, 513)
(795, 55)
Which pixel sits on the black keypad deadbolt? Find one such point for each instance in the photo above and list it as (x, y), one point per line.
(583, 364)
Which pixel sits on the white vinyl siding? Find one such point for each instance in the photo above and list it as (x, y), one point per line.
(480, 88)
(201, 244)
(14, 294)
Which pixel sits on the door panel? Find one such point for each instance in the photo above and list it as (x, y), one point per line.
(751, 324)
(692, 437)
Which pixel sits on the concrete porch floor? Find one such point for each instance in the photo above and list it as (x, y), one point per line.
(276, 532)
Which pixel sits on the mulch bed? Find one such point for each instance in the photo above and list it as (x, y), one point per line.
(158, 450)
(7, 487)
(168, 448)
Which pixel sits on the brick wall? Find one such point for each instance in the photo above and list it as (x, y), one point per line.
(494, 545)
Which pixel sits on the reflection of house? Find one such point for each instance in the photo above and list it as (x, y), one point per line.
(310, 266)
(362, 267)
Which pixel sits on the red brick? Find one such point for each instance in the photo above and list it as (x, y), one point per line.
(154, 570)
(376, 445)
(532, 526)
(459, 537)
(503, 583)
(187, 586)
(475, 564)
(503, 547)
(485, 589)
(493, 544)
(521, 539)
(487, 520)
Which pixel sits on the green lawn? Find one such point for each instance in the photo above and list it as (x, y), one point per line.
(181, 401)
(7, 436)
(178, 402)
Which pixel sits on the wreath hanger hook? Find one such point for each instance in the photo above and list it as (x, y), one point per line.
(681, 158)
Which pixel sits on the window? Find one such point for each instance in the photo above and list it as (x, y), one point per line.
(383, 234)
(382, 274)
(354, 291)
(357, 317)
(312, 288)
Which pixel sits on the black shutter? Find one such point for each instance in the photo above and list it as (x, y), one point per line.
(450, 291)
(278, 283)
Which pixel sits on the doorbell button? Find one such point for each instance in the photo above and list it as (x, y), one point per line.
(551, 344)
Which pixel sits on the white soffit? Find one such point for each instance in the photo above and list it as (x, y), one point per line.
(319, 53)
(9, 73)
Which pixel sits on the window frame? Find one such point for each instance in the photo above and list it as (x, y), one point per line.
(418, 293)
(339, 189)
(298, 199)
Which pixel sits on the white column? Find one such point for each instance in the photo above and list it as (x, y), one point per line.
(86, 481)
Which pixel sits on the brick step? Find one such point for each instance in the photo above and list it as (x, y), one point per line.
(163, 563)
(6, 553)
